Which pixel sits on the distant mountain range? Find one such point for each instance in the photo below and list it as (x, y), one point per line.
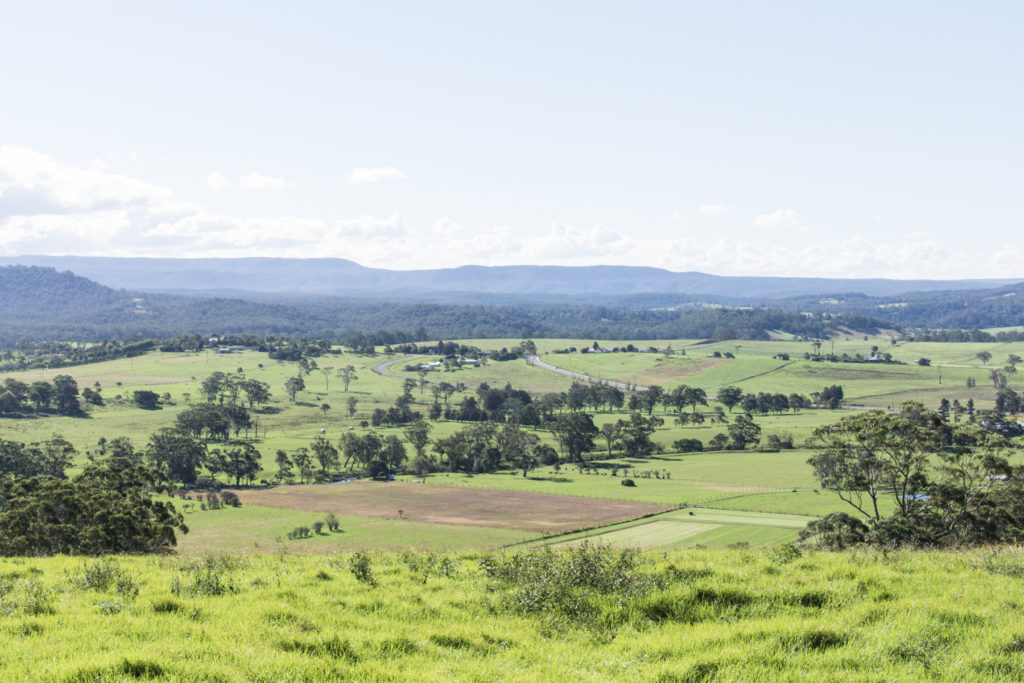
(340, 277)
(254, 296)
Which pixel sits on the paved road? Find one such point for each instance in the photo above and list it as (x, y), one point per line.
(382, 368)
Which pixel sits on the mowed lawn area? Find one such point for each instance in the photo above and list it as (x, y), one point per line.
(696, 526)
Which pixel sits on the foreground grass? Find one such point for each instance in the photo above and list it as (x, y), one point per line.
(679, 616)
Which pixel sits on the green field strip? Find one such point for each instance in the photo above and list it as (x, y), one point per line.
(740, 518)
(647, 535)
(732, 534)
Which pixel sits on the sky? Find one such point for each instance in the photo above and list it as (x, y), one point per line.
(869, 139)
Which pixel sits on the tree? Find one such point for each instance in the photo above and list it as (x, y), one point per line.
(326, 372)
(347, 374)
(325, 453)
(213, 385)
(575, 432)
(864, 456)
(284, 465)
(635, 434)
(293, 385)
(744, 431)
(304, 463)
(352, 402)
(983, 356)
(57, 455)
(832, 397)
(518, 448)
(65, 394)
(40, 393)
(107, 509)
(324, 407)
(256, 392)
(239, 459)
(147, 400)
(418, 435)
(176, 454)
(610, 432)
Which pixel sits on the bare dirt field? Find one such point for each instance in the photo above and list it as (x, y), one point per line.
(660, 374)
(538, 512)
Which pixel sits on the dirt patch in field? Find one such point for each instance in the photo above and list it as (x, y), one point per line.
(660, 374)
(537, 512)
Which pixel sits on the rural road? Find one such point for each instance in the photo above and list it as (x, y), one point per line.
(382, 368)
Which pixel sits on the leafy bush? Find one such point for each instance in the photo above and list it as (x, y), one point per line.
(628, 482)
(230, 498)
(207, 576)
(102, 575)
(575, 585)
(359, 565)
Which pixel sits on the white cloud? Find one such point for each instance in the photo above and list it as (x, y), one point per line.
(217, 182)
(258, 181)
(49, 207)
(780, 218)
(32, 183)
(713, 210)
(374, 175)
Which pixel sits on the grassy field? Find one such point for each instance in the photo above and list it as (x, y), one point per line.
(747, 481)
(685, 615)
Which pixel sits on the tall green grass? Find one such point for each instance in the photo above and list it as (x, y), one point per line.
(588, 614)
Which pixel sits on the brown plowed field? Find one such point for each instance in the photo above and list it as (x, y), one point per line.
(540, 512)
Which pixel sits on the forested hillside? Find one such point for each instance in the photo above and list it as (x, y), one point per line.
(40, 303)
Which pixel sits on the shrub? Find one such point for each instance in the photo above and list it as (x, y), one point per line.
(332, 521)
(102, 575)
(230, 498)
(318, 527)
(575, 585)
(359, 565)
(628, 482)
(207, 576)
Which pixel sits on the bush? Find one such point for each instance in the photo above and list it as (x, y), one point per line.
(230, 498)
(318, 527)
(575, 585)
(628, 482)
(332, 521)
(359, 565)
(835, 531)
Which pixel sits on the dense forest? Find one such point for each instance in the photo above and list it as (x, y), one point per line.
(41, 304)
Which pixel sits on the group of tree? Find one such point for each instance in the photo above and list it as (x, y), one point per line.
(947, 484)
(59, 396)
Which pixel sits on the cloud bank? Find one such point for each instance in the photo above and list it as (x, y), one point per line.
(50, 207)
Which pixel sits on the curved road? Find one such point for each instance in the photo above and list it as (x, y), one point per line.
(382, 368)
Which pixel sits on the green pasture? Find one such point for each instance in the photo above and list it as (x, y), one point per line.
(679, 615)
(259, 529)
(681, 479)
(754, 370)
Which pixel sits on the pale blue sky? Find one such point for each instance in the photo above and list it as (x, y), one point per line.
(871, 139)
